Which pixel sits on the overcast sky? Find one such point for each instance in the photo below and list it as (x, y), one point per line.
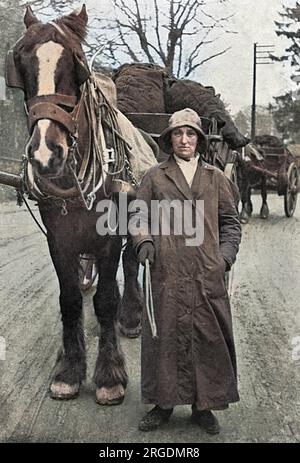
(231, 74)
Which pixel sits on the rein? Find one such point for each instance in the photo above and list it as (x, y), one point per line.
(98, 161)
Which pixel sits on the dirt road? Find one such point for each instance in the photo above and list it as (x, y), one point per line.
(266, 311)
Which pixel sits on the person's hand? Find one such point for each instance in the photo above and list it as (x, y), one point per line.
(146, 251)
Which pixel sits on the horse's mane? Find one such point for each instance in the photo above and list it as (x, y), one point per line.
(73, 25)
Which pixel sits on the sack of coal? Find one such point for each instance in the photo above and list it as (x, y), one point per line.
(183, 93)
(140, 88)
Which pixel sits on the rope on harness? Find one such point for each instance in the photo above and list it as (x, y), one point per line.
(149, 300)
(33, 216)
(90, 171)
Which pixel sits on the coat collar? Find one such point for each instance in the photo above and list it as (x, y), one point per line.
(200, 181)
(173, 171)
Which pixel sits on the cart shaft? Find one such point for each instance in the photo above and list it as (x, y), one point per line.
(12, 180)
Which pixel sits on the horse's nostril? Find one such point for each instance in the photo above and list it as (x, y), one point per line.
(57, 157)
(52, 162)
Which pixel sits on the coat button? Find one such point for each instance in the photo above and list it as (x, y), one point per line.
(189, 311)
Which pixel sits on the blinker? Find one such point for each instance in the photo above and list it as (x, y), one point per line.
(14, 79)
(12, 75)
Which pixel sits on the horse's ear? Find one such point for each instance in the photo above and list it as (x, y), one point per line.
(30, 18)
(82, 14)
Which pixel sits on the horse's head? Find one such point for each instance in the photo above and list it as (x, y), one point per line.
(48, 64)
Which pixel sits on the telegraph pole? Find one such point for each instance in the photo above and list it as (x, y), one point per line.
(253, 109)
(261, 55)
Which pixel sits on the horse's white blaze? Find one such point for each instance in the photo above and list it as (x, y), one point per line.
(48, 56)
(43, 154)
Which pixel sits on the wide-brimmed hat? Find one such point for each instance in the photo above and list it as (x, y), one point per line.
(180, 118)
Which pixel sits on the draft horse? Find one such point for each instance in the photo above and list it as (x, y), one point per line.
(251, 178)
(67, 172)
(255, 169)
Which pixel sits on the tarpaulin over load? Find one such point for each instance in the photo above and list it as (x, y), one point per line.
(140, 88)
(181, 94)
(268, 141)
(148, 88)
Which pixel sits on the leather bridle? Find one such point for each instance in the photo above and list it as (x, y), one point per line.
(66, 110)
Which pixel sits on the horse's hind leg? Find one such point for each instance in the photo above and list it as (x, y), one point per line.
(131, 307)
(71, 362)
(110, 375)
(264, 211)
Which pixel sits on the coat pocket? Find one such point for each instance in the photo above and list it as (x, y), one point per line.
(214, 281)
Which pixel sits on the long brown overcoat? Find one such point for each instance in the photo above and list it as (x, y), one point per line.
(193, 359)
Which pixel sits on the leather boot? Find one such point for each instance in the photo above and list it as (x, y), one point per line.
(206, 420)
(155, 418)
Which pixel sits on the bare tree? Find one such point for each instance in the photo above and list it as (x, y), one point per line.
(176, 34)
(172, 33)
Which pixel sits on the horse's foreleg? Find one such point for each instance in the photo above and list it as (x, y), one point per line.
(110, 374)
(70, 368)
(132, 303)
(264, 211)
(249, 205)
(246, 200)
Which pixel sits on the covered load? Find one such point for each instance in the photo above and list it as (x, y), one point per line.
(140, 88)
(148, 88)
(268, 141)
(181, 94)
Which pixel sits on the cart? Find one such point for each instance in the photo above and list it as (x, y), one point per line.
(280, 167)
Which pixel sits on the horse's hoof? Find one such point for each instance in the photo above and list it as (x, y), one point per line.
(64, 391)
(264, 212)
(110, 395)
(130, 332)
(244, 217)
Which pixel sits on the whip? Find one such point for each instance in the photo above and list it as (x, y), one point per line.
(149, 300)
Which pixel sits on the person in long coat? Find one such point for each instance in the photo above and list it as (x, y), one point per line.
(192, 360)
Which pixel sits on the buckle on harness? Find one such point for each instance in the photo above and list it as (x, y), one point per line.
(110, 156)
